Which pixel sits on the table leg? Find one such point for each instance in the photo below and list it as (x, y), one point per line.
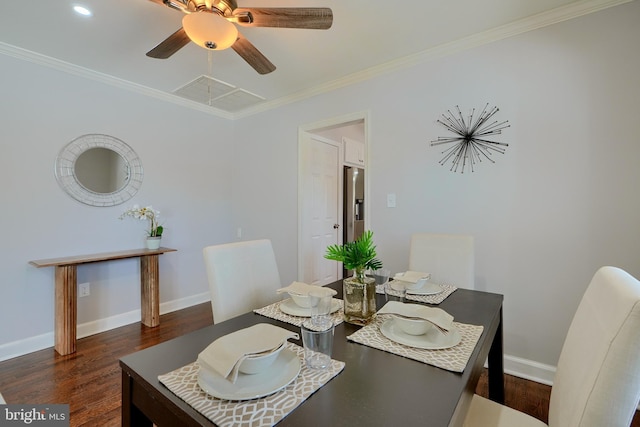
(131, 415)
(66, 309)
(496, 366)
(150, 288)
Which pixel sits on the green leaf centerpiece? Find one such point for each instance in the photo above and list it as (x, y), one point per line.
(359, 291)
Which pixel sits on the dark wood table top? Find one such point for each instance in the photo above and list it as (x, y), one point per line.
(375, 388)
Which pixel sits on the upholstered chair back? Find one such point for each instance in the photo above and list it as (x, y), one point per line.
(448, 257)
(597, 381)
(242, 276)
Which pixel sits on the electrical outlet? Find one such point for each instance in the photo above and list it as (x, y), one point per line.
(84, 289)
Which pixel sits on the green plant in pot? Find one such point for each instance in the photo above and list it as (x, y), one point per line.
(359, 291)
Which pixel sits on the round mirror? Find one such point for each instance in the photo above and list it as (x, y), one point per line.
(99, 170)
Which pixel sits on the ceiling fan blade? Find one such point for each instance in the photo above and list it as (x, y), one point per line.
(314, 18)
(170, 45)
(252, 55)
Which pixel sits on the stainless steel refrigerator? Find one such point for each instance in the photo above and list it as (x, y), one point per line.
(354, 214)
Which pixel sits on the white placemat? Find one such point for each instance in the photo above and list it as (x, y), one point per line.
(429, 299)
(452, 359)
(267, 411)
(273, 311)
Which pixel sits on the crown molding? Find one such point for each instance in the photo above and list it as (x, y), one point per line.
(554, 16)
(79, 71)
(534, 22)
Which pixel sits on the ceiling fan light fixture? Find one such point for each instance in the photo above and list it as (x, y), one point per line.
(210, 30)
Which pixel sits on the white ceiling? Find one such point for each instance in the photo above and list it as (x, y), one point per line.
(368, 37)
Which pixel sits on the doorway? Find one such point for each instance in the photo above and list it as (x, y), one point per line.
(325, 151)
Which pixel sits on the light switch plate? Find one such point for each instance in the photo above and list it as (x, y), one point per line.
(391, 200)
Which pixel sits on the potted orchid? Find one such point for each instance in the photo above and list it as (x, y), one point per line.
(154, 233)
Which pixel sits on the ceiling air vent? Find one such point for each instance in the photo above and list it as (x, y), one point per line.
(215, 93)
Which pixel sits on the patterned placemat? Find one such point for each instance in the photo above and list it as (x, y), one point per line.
(452, 359)
(429, 299)
(273, 311)
(266, 411)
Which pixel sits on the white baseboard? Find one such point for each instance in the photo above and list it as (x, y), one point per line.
(40, 342)
(529, 370)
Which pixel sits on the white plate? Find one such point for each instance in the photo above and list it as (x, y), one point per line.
(288, 306)
(432, 340)
(284, 370)
(428, 289)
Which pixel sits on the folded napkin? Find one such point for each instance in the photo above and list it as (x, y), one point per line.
(225, 354)
(300, 288)
(412, 276)
(437, 316)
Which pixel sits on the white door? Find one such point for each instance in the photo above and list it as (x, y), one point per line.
(321, 220)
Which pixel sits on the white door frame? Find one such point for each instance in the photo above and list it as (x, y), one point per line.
(310, 128)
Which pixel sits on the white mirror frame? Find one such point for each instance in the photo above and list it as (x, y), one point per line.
(66, 176)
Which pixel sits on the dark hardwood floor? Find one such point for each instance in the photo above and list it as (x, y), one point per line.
(89, 380)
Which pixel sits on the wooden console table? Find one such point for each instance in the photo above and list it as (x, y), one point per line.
(66, 298)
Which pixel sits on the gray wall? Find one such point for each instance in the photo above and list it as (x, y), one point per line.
(187, 160)
(559, 204)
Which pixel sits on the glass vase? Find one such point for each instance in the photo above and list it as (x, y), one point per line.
(359, 300)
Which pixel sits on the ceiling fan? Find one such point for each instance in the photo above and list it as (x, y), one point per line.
(210, 24)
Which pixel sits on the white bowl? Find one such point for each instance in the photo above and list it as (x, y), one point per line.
(413, 326)
(256, 364)
(302, 300)
(419, 284)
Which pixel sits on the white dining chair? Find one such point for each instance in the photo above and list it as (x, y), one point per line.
(449, 258)
(242, 276)
(597, 381)
(2, 402)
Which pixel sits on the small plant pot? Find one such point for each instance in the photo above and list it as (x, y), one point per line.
(153, 242)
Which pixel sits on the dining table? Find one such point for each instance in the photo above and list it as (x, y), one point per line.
(375, 387)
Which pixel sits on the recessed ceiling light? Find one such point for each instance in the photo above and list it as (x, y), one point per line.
(81, 10)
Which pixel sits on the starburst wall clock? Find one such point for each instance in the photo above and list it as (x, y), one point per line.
(469, 139)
